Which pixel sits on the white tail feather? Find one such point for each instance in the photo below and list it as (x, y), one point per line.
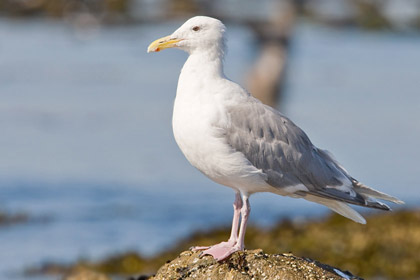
(338, 207)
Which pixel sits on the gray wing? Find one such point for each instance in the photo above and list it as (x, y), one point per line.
(274, 144)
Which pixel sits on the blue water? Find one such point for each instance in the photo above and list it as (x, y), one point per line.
(87, 148)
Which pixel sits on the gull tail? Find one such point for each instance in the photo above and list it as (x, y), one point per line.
(364, 196)
(338, 207)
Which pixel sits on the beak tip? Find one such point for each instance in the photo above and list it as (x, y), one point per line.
(162, 43)
(151, 49)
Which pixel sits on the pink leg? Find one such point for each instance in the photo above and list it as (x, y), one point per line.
(223, 250)
(237, 205)
(246, 209)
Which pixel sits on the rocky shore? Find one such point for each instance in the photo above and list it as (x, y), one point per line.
(386, 248)
(246, 265)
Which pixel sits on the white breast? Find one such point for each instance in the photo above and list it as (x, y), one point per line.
(198, 120)
(193, 126)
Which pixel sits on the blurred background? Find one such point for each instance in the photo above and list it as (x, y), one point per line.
(88, 163)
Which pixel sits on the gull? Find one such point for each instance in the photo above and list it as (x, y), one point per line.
(238, 142)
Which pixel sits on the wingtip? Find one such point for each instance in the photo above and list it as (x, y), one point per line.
(398, 201)
(373, 203)
(369, 192)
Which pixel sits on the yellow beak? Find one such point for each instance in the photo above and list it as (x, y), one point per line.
(163, 43)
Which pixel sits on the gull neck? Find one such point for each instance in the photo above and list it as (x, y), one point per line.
(208, 63)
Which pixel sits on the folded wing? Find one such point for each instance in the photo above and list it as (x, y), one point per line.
(274, 144)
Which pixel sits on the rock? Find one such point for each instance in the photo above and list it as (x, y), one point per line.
(252, 264)
(386, 248)
(85, 274)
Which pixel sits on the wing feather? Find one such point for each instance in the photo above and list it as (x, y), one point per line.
(274, 144)
(283, 151)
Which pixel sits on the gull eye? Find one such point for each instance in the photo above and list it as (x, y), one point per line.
(196, 28)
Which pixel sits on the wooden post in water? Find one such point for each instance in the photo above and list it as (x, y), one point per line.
(266, 77)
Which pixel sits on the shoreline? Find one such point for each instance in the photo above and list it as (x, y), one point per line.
(386, 247)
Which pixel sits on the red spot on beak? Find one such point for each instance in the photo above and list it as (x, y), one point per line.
(158, 49)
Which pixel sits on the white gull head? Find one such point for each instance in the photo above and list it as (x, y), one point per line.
(198, 34)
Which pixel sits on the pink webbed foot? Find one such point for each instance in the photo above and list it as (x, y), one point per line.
(236, 241)
(220, 251)
(199, 248)
(221, 244)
